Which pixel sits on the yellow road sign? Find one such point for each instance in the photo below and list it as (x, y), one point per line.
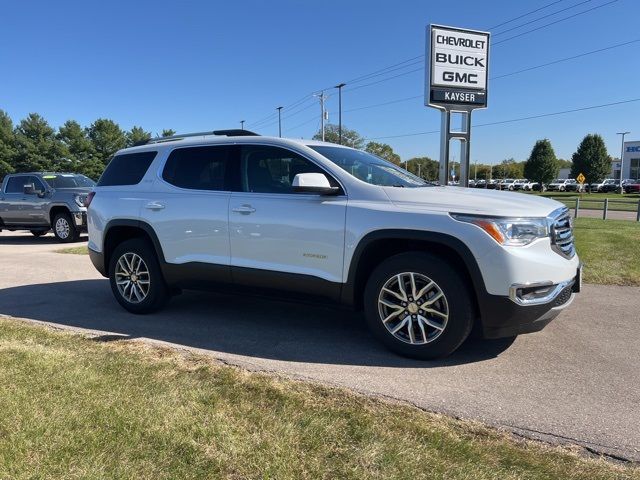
(581, 178)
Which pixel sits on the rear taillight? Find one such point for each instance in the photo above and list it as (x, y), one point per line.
(87, 201)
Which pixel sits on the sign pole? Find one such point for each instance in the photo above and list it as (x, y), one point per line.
(444, 147)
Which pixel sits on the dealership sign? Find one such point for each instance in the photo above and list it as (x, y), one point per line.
(457, 68)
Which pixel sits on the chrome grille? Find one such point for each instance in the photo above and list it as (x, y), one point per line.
(562, 233)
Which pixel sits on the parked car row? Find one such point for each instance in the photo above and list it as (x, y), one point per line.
(611, 185)
(512, 184)
(608, 185)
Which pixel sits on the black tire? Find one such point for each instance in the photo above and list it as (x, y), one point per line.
(157, 292)
(71, 232)
(458, 301)
(38, 233)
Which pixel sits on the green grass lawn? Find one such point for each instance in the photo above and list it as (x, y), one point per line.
(72, 407)
(610, 250)
(75, 250)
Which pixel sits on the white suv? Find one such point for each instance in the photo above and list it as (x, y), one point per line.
(425, 263)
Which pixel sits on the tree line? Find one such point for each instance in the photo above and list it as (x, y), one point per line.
(33, 145)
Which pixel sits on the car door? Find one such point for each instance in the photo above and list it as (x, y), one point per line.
(34, 211)
(188, 208)
(13, 199)
(274, 229)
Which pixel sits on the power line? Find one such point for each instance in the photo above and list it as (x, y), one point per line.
(525, 14)
(377, 72)
(541, 18)
(493, 44)
(383, 104)
(521, 119)
(566, 59)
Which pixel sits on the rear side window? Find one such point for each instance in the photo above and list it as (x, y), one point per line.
(199, 168)
(126, 169)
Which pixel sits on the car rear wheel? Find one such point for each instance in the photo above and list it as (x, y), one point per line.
(418, 306)
(64, 228)
(135, 277)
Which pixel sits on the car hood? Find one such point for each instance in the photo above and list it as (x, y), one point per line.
(469, 200)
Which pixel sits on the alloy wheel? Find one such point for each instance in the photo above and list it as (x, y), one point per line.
(132, 277)
(413, 308)
(62, 228)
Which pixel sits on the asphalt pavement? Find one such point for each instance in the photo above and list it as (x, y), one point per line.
(576, 382)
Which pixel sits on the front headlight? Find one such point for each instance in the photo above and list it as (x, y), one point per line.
(79, 199)
(509, 231)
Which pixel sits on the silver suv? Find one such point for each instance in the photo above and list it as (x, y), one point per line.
(425, 263)
(39, 202)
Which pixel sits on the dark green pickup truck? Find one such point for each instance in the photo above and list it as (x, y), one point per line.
(39, 202)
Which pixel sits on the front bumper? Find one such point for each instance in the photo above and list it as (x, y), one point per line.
(80, 220)
(507, 316)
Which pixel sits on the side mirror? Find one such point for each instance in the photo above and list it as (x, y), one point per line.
(313, 183)
(29, 189)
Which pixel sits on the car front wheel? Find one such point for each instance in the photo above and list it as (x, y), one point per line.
(64, 228)
(418, 306)
(135, 277)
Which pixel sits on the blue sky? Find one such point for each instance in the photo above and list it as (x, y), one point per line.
(201, 65)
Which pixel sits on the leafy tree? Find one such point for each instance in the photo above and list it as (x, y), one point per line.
(542, 165)
(37, 148)
(382, 150)
(562, 163)
(167, 132)
(480, 171)
(82, 155)
(591, 159)
(107, 138)
(508, 168)
(350, 138)
(137, 135)
(424, 167)
(7, 145)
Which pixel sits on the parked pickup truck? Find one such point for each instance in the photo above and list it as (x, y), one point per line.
(39, 202)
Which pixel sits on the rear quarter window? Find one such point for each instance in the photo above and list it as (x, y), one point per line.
(126, 169)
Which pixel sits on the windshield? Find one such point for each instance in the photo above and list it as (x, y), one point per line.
(68, 180)
(369, 168)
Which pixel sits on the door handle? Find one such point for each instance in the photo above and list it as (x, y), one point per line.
(244, 209)
(154, 206)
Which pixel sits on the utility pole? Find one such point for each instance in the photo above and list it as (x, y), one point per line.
(241, 124)
(279, 122)
(622, 158)
(339, 87)
(322, 98)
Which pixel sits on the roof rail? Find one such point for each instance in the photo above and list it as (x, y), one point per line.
(226, 133)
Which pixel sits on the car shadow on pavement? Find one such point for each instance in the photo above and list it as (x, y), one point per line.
(48, 239)
(235, 324)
